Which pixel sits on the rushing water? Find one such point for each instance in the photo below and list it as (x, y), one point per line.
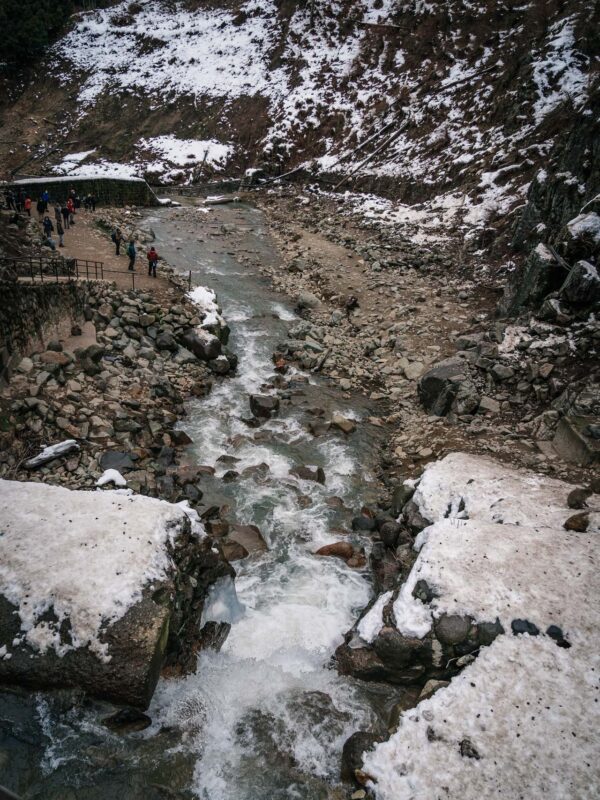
(266, 717)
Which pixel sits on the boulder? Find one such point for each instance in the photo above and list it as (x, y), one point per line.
(115, 619)
(247, 536)
(264, 405)
(204, 345)
(343, 423)
(352, 754)
(305, 473)
(307, 300)
(439, 386)
(343, 550)
(113, 459)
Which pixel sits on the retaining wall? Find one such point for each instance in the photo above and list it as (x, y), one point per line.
(108, 191)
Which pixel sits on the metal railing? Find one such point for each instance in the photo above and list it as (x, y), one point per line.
(43, 269)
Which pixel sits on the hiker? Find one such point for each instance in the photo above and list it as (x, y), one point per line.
(57, 212)
(71, 208)
(61, 233)
(10, 199)
(117, 238)
(20, 200)
(45, 199)
(152, 257)
(27, 205)
(77, 202)
(93, 202)
(49, 242)
(48, 226)
(41, 208)
(65, 215)
(131, 252)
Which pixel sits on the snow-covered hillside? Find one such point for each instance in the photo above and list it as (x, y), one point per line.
(473, 85)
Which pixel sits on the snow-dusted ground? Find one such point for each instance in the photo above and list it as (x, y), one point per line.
(211, 53)
(497, 549)
(87, 555)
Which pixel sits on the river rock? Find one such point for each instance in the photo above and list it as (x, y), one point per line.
(352, 754)
(305, 473)
(249, 536)
(343, 550)
(202, 344)
(166, 341)
(264, 405)
(343, 423)
(307, 300)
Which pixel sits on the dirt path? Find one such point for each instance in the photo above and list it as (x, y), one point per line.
(85, 240)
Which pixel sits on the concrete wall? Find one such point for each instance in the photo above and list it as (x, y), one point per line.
(26, 313)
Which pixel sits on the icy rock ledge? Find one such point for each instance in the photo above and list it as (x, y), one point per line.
(99, 590)
(505, 603)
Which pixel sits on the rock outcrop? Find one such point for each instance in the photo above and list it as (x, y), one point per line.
(99, 590)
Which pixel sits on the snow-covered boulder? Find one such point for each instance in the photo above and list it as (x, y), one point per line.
(505, 601)
(99, 589)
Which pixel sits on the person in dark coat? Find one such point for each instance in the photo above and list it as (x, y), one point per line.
(93, 201)
(60, 231)
(41, 208)
(131, 252)
(65, 215)
(48, 226)
(117, 238)
(20, 200)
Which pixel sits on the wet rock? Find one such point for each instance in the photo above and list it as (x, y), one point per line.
(357, 561)
(249, 537)
(353, 751)
(578, 522)
(520, 626)
(363, 523)
(390, 533)
(398, 652)
(127, 720)
(305, 473)
(468, 749)
(233, 551)
(264, 405)
(202, 344)
(423, 591)
(219, 365)
(413, 518)
(342, 423)
(402, 494)
(488, 631)
(180, 438)
(343, 550)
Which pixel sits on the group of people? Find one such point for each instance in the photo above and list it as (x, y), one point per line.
(131, 252)
(20, 201)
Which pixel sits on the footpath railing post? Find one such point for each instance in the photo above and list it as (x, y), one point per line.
(87, 270)
(190, 281)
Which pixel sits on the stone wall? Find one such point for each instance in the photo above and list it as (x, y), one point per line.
(27, 312)
(108, 191)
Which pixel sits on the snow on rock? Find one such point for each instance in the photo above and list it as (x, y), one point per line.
(111, 476)
(585, 224)
(497, 550)
(87, 555)
(372, 622)
(206, 300)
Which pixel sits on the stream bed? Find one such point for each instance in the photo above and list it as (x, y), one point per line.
(267, 716)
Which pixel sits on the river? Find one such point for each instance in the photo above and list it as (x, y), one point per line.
(267, 716)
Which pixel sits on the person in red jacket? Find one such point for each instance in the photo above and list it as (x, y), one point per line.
(152, 257)
(71, 208)
(27, 205)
